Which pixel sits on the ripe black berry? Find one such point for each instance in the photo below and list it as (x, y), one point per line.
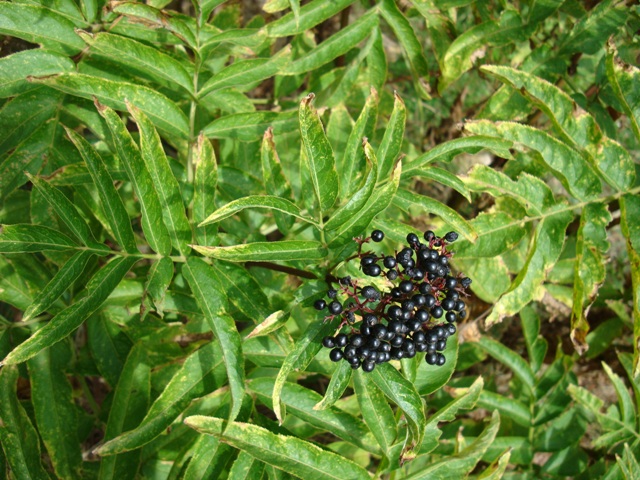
(465, 282)
(441, 360)
(335, 307)
(451, 237)
(372, 270)
(450, 317)
(437, 312)
(336, 355)
(368, 366)
(392, 275)
(429, 235)
(370, 293)
(431, 358)
(412, 239)
(448, 304)
(319, 304)
(389, 262)
(331, 293)
(369, 320)
(377, 236)
(328, 342)
(341, 340)
(406, 286)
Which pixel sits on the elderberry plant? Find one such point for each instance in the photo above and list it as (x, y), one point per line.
(404, 319)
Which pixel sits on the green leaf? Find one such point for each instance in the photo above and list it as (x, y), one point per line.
(32, 238)
(625, 402)
(625, 82)
(208, 293)
(266, 251)
(55, 410)
(510, 359)
(628, 464)
(350, 163)
(306, 347)
(508, 407)
(311, 14)
(206, 179)
(257, 201)
(431, 378)
(158, 281)
(270, 324)
(14, 69)
(130, 403)
(242, 290)
(154, 229)
(274, 180)
(163, 112)
(249, 127)
(64, 323)
(111, 202)
(19, 438)
(202, 372)
(37, 24)
(497, 233)
(575, 173)
(402, 392)
(536, 344)
(246, 467)
(151, 62)
(405, 200)
(337, 44)
(208, 457)
(319, 155)
(300, 401)
(65, 277)
(410, 44)
(376, 412)
(246, 72)
(338, 383)
(630, 213)
(591, 249)
(445, 178)
(543, 254)
(393, 136)
(166, 185)
(374, 205)
(66, 210)
(290, 454)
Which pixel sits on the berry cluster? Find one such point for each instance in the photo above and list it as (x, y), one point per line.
(417, 314)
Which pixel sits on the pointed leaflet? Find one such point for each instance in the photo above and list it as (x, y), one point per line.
(410, 44)
(591, 248)
(155, 231)
(392, 140)
(54, 408)
(573, 171)
(246, 467)
(202, 372)
(630, 223)
(497, 233)
(543, 253)
(62, 280)
(111, 202)
(32, 238)
(164, 113)
(319, 156)
(376, 412)
(266, 251)
(625, 402)
(338, 383)
(257, 201)
(625, 82)
(521, 369)
(275, 182)
(242, 290)
(150, 61)
(209, 294)
(158, 281)
(446, 178)
(270, 324)
(250, 126)
(402, 392)
(165, 182)
(64, 323)
(405, 200)
(204, 194)
(295, 456)
(14, 69)
(351, 160)
(310, 15)
(19, 438)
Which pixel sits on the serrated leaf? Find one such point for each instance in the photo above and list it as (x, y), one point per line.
(575, 173)
(14, 69)
(208, 293)
(510, 359)
(64, 323)
(270, 324)
(310, 15)
(402, 392)
(154, 229)
(205, 182)
(410, 44)
(376, 412)
(150, 61)
(63, 278)
(163, 112)
(111, 202)
(300, 401)
(625, 82)
(249, 127)
(202, 372)
(266, 251)
(166, 185)
(37, 24)
(274, 180)
(497, 233)
(55, 410)
(405, 200)
(19, 438)
(338, 383)
(32, 238)
(393, 137)
(445, 178)
(319, 155)
(591, 249)
(305, 348)
(269, 202)
(544, 251)
(290, 454)
(337, 44)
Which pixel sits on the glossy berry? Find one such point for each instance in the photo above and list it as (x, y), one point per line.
(429, 235)
(392, 275)
(341, 340)
(372, 270)
(451, 237)
(412, 239)
(368, 366)
(319, 304)
(406, 286)
(335, 307)
(377, 236)
(328, 342)
(370, 293)
(431, 358)
(369, 320)
(336, 355)
(331, 293)
(389, 262)
(450, 317)
(367, 260)
(465, 282)
(437, 312)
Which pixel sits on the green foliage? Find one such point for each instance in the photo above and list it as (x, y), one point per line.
(175, 187)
